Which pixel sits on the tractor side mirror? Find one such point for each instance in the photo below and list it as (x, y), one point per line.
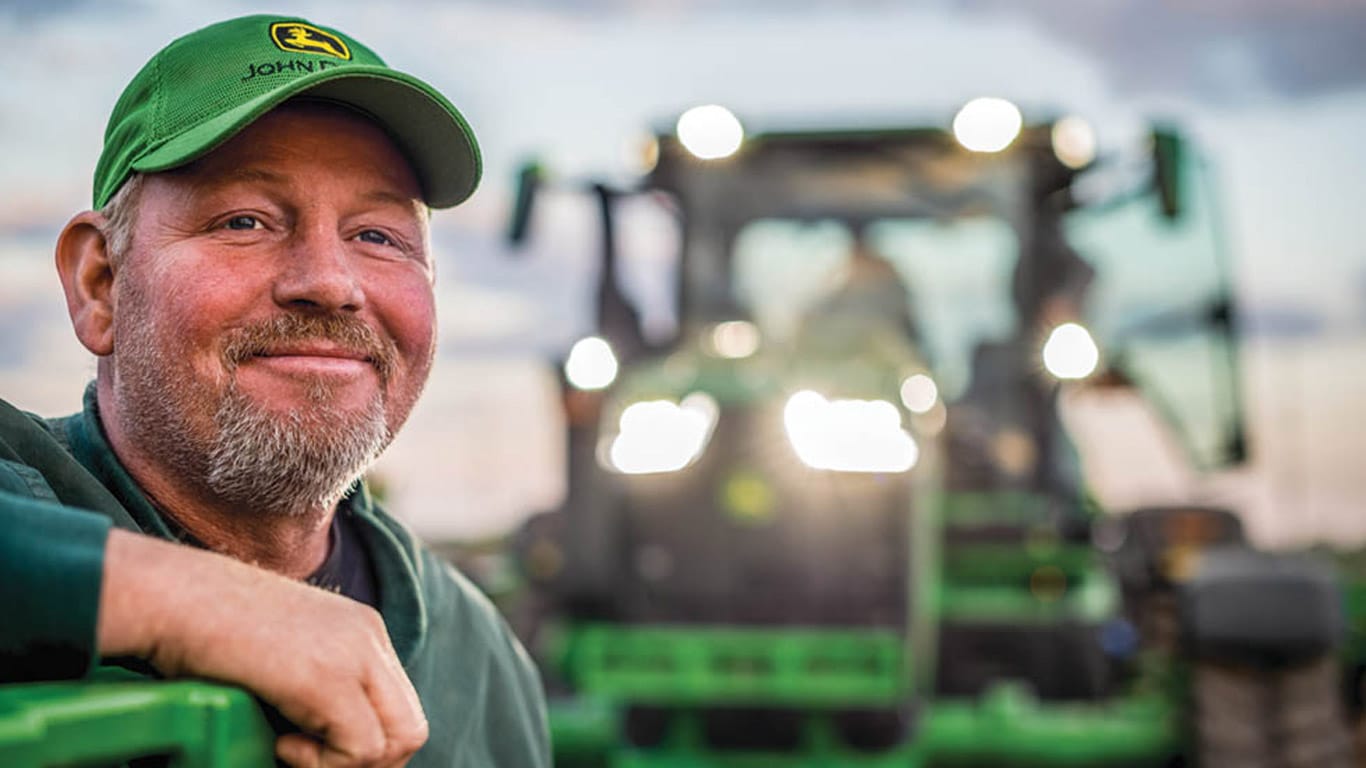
(1169, 158)
(529, 179)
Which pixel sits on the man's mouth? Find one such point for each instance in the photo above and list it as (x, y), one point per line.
(322, 359)
(318, 350)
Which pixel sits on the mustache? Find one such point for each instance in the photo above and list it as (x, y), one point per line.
(346, 331)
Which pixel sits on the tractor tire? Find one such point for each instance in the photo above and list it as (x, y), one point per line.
(1230, 708)
(1311, 721)
(1291, 717)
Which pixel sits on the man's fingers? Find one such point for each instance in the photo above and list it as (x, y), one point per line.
(345, 729)
(299, 751)
(404, 720)
(352, 743)
(368, 715)
(399, 711)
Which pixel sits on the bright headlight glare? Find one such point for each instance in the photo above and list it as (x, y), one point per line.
(591, 364)
(735, 339)
(919, 393)
(663, 436)
(1074, 142)
(710, 132)
(848, 435)
(1070, 352)
(987, 124)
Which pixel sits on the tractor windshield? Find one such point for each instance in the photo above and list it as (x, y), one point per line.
(953, 277)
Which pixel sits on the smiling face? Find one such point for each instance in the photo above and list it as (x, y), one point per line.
(274, 317)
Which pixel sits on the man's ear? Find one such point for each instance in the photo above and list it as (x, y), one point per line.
(88, 281)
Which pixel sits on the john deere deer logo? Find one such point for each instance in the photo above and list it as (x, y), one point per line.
(302, 38)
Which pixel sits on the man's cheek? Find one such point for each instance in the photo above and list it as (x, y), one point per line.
(418, 334)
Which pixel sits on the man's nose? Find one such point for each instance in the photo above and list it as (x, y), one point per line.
(318, 274)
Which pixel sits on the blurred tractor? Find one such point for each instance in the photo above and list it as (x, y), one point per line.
(834, 518)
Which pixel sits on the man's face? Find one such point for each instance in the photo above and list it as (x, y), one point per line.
(274, 317)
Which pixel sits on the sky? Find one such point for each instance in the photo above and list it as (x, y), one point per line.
(1274, 92)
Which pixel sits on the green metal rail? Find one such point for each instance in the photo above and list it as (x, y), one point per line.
(191, 725)
(689, 669)
(692, 665)
(1005, 727)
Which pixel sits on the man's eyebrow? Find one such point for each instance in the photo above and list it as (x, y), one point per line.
(397, 198)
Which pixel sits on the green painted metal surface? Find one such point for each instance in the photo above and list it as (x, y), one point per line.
(1028, 590)
(1005, 727)
(789, 666)
(583, 730)
(897, 759)
(690, 669)
(192, 725)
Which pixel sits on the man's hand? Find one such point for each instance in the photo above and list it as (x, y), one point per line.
(324, 660)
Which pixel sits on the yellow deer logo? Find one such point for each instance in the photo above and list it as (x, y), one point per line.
(302, 38)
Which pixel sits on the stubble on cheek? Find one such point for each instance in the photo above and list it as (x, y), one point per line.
(164, 407)
(201, 426)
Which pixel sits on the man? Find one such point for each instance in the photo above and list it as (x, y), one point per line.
(870, 292)
(256, 282)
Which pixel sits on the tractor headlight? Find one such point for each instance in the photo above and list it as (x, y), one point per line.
(591, 364)
(1074, 142)
(710, 132)
(848, 435)
(661, 435)
(987, 124)
(1070, 352)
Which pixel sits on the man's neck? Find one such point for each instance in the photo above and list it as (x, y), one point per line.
(293, 544)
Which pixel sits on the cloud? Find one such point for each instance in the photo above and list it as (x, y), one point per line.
(1217, 49)
(1288, 322)
(40, 10)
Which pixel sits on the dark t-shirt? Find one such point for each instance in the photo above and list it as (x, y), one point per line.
(347, 569)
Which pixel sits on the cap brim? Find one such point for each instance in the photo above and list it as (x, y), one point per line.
(430, 132)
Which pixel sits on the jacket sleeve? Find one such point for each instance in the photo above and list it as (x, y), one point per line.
(51, 567)
(517, 706)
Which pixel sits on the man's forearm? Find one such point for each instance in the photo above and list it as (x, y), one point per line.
(324, 660)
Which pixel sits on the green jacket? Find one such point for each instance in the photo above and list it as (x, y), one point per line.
(62, 488)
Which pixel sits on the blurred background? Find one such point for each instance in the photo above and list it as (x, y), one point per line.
(1273, 92)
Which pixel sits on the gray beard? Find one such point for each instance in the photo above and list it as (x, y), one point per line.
(295, 462)
(261, 462)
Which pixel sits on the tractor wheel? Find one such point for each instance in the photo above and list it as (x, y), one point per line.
(1231, 706)
(1311, 721)
(1291, 717)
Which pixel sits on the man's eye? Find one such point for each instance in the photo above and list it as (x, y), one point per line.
(376, 237)
(242, 222)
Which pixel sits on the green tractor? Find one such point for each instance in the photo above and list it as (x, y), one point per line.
(835, 519)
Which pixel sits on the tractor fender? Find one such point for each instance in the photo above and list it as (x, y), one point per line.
(1244, 606)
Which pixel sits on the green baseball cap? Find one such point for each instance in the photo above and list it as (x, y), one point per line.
(200, 90)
